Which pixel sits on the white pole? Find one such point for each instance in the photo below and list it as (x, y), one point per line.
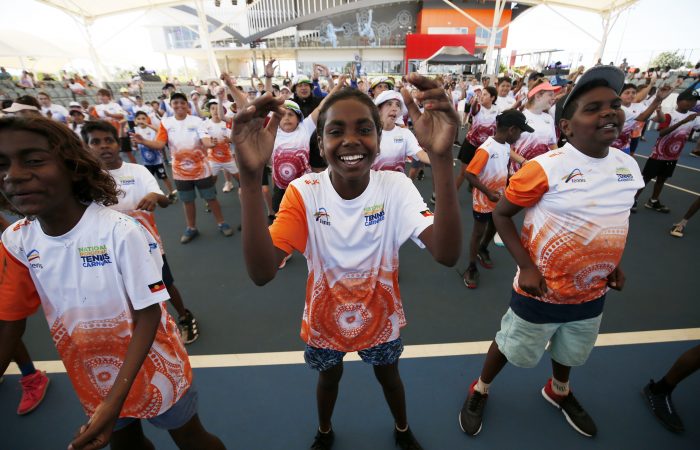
(205, 40)
(498, 10)
(100, 72)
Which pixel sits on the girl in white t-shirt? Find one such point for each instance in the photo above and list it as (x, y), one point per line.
(482, 114)
(97, 274)
(397, 143)
(539, 100)
(349, 222)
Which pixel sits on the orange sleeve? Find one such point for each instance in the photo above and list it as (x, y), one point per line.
(18, 296)
(162, 135)
(289, 231)
(528, 185)
(477, 164)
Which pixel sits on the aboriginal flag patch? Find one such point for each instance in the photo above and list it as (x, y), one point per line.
(426, 213)
(156, 287)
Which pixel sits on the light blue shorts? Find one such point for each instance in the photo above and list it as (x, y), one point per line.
(178, 414)
(523, 343)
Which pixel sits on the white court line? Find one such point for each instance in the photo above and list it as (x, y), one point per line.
(410, 351)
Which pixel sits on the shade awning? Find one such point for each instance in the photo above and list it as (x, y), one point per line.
(94, 9)
(453, 55)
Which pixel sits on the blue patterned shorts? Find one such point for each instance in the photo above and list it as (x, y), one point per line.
(322, 359)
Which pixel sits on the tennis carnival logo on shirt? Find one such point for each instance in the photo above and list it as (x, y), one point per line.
(374, 214)
(33, 258)
(322, 217)
(576, 176)
(126, 180)
(623, 174)
(94, 255)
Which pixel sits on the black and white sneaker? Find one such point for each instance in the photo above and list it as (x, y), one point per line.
(574, 413)
(188, 327)
(662, 407)
(470, 417)
(656, 206)
(323, 441)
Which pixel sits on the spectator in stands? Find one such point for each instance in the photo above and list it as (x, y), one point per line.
(26, 81)
(4, 74)
(75, 88)
(24, 105)
(77, 118)
(52, 110)
(164, 109)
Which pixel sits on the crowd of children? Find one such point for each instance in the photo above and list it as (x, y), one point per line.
(340, 198)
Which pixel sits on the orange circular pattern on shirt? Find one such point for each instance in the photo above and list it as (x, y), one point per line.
(352, 315)
(189, 165)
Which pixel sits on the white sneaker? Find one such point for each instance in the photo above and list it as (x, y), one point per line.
(228, 187)
(498, 241)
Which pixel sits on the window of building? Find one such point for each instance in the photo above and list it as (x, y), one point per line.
(180, 37)
(483, 34)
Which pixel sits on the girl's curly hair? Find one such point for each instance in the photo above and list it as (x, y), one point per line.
(91, 183)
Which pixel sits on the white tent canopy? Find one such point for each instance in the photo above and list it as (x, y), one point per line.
(94, 9)
(32, 52)
(609, 11)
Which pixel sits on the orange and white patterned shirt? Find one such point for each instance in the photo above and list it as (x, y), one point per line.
(577, 219)
(189, 157)
(534, 144)
(483, 124)
(351, 247)
(490, 165)
(88, 282)
(221, 152)
(669, 147)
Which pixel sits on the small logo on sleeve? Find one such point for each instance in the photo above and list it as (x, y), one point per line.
(156, 287)
(322, 217)
(426, 213)
(623, 174)
(576, 176)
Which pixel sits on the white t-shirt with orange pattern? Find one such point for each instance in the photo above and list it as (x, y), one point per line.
(88, 281)
(221, 152)
(483, 124)
(490, 165)
(576, 224)
(189, 157)
(669, 147)
(135, 182)
(353, 300)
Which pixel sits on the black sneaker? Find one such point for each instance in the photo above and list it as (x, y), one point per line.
(656, 206)
(421, 175)
(323, 441)
(471, 277)
(188, 327)
(662, 407)
(405, 440)
(574, 413)
(470, 417)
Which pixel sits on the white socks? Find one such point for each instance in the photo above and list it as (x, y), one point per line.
(482, 387)
(560, 388)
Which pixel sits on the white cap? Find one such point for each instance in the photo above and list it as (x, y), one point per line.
(16, 107)
(391, 95)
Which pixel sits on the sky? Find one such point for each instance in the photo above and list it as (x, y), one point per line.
(647, 28)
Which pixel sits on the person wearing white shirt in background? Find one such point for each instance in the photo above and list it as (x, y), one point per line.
(107, 109)
(77, 118)
(127, 104)
(215, 135)
(51, 110)
(75, 87)
(504, 101)
(396, 143)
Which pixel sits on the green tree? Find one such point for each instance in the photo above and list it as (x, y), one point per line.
(664, 59)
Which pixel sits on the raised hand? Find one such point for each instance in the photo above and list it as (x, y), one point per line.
(253, 140)
(437, 127)
(269, 68)
(663, 92)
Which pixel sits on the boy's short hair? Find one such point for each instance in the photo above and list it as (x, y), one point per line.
(105, 92)
(140, 113)
(43, 93)
(503, 80)
(177, 95)
(628, 86)
(168, 86)
(98, 125)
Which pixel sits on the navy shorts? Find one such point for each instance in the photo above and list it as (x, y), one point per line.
(177, 416)
(322, 359)
(483, 217)
(157, 170)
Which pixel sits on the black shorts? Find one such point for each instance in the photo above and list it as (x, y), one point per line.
(658, 168)
(482, 217)
(124, 145)
(158, 170)
(466, 152)
(168, 279)
(266, 176)
(277, 195)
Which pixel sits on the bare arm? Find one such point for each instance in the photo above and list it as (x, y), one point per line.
(476, 182)
(435, 130)
(97, 431)
(663, 132)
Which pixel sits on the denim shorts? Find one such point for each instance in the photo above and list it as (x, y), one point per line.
(523, 343)
(178, 414)
(322, 359)
(205, 186)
